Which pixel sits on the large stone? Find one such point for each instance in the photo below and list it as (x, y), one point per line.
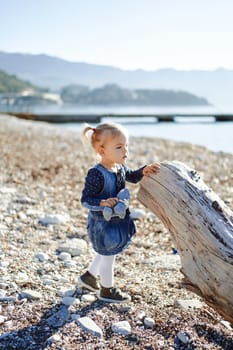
(74, 246)
(56, 219)
(188, 304)
(90, 326)
(30, 294)
(122, 327)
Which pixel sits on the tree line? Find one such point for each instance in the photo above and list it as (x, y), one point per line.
(9, 83)
(114, 95)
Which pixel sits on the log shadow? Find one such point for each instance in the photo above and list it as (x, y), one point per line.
(224, 341)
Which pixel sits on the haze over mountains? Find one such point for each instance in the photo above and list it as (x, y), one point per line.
(54, 73)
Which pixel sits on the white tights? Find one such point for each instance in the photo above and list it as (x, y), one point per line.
(103, 265)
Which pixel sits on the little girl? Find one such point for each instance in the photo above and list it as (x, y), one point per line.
(102, 184)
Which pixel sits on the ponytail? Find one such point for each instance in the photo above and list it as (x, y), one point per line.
(86, 129)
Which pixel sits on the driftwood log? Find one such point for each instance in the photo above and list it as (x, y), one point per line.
(201, 226)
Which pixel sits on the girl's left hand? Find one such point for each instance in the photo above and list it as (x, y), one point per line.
(151, 169)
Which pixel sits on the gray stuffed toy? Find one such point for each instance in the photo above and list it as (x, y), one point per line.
(120, 207)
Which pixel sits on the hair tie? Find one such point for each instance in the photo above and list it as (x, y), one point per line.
(93, 129)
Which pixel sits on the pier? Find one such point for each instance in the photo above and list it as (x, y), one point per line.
(97, 118)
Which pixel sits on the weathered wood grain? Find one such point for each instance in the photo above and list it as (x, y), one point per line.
(201, 226)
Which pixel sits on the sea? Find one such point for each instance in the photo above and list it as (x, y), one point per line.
(202, 130)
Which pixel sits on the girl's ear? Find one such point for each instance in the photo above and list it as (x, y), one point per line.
(101, 150)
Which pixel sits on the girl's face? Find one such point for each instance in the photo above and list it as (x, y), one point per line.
(115, 150)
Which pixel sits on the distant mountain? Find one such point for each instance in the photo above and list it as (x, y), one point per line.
(54, 73)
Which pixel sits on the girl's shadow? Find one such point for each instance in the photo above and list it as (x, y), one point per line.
(36, 336)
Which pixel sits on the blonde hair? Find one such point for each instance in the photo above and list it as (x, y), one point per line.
(102, 132)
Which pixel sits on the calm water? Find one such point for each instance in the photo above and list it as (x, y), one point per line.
(203, 131)
(215, 136)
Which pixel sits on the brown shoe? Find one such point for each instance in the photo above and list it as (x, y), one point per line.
(90, 282)
(113, 295)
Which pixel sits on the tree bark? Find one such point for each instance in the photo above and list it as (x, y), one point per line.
(201, 226)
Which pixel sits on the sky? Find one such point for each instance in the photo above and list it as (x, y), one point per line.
(128, 34)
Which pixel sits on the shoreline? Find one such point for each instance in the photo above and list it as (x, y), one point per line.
(42, 174)
(219, 133)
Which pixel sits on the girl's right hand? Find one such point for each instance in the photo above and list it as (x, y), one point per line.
(110, 202)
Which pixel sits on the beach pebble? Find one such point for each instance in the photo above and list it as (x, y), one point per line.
(68, 301)
(137, 214)
(69, 292)
(64, 256)
(88, 298)
(74, 247)
(182, 337)
(41, 257)
(65, 293)
(8, 323)
(8, 299)
(151, 216)
(226, 324)
(48, 281)
(167, 261)
(63, 280)
(54, 338)
(22, 216)
(7, 190)
(121, 327)
(24, 200)
(69, 263)
(21, 278)
(42, 194)
(141, 315)
(8, 220)
(188, 304)
(3, 285)
(3, 227)
(2, 319)
(125, 309)
(90, 326)
(30, 294)
(2, 293)
(4, 264)
(55, 219)
(149, 322)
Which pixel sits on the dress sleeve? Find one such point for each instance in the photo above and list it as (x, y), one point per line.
(133, 176)
(93, 186)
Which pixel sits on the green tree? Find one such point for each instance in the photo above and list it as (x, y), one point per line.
(12, 84)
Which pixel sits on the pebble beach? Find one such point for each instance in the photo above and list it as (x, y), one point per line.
(45, 247)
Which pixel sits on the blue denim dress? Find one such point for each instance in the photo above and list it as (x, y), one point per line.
(109, 237)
